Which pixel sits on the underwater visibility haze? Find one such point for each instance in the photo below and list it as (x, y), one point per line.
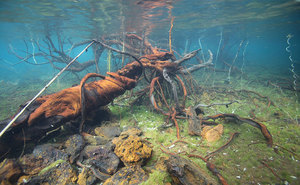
(155, 92)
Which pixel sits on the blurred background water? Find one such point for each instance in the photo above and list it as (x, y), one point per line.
(221, 25)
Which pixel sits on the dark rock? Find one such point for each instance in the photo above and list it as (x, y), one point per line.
(102, 158)
(184, 172)
(74, 145)
(131, 175)
(49, 153)
(10, 171)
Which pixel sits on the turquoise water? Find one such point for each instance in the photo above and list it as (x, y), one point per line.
(264, 24)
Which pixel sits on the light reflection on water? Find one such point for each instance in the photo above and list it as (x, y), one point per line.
(90, 18)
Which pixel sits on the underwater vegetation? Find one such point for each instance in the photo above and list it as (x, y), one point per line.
(160, 115)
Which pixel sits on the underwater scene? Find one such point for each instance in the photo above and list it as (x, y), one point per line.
(149, 92)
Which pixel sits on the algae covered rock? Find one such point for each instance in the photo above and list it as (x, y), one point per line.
(131, 175)
(45, 164)
(183, 171)
(58, 172)
(133, 150)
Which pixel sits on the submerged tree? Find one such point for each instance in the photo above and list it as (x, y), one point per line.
(165, 77)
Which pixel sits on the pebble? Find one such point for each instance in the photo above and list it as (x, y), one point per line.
(171, 146)
(238, 177)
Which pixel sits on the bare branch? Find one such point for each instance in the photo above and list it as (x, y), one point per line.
(187, 56)
(196, 67)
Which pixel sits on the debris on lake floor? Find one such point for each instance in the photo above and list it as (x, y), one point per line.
(184, 172)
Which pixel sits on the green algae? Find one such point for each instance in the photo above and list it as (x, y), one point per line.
(52, 165)
(157, 177)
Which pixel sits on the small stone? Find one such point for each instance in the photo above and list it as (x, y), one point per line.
(108, 131)
(212, 134)
(238, 177)
(95, 140)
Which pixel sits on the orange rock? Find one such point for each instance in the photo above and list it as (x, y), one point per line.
(133, 150)
(212, 134)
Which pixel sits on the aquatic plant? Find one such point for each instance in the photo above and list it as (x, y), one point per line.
(295, 76)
